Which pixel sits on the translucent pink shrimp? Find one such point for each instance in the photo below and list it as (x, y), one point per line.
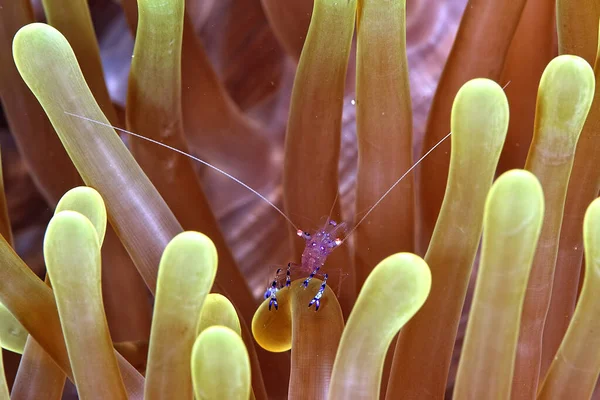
(319, 244)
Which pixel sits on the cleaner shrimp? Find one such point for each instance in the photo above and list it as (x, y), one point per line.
(319, 244)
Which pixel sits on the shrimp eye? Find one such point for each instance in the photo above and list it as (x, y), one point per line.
(337, 241)
(304, 234)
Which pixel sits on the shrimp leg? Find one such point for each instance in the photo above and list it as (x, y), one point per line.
(312, 275)
(317, 299)
(272, 292)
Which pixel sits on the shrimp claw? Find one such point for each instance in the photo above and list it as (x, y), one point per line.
(273, 302)
(271, 292)
(317, 299)
(312, 275)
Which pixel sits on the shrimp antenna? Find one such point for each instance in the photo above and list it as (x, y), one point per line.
(337, 194)
(394, 185)
(191, 157)
(400, 179)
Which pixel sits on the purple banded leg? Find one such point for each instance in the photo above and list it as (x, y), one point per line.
(273, 295)
(273, 286)
(317, 299)
(312, 275)
(273, 301)
(288, 275)
(271, 292)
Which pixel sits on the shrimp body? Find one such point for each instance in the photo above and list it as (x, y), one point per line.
(319, 246)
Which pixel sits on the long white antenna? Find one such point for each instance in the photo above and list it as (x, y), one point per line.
(189, 156)
(253, 190)
(394, 185)
(400, 179)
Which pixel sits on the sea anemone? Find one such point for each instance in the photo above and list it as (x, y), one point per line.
(148, 292)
